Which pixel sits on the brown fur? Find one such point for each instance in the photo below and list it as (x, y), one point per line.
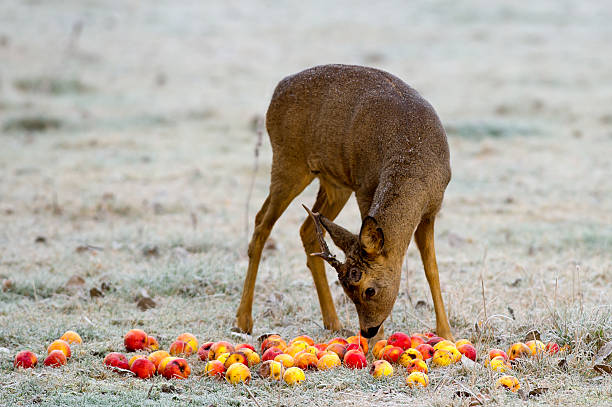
(365, 131)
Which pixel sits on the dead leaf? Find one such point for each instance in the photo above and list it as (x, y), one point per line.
(169, 388)
(40, 239)
(562, 364)
(7, 284)
(532, 336)
(469, 363)
(603, 368)
(75, 281)
(145, 303)
(604, 353)
(265, 336)
(149, 251)
(94, 292)
(538, 391)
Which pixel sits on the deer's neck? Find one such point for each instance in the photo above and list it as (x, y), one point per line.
(397, 206)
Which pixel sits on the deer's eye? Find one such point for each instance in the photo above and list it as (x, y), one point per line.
(369, 292)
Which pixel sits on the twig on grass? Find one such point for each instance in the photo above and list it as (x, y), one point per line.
(149, 392)
(251, 394)
(259, 134)
(34, 288)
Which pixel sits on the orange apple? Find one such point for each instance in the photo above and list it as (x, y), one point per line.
(359, 340)
(285, 359)
(338, 349)
(381, 368)
(497, 352)
(294, 375)
(61, 346)
(378, 347)
(305, 360)
(157, 356)
(518, 350)
(191, 341)
(272, 370)
(214, 368)
(152, 343)
(302, 338)
(71, 337)
(509, 382)
(408, 355)
(238, 373)
(179, 348)
(417, 365)
(218, 348)
(236, 357)
(329, 361)
(339, 340)
(417, 379)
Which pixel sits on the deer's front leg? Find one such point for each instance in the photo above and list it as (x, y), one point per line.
(424, 237)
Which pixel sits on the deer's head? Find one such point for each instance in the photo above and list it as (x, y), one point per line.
(369, 278)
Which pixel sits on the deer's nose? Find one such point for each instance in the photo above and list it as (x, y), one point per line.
(370, 332)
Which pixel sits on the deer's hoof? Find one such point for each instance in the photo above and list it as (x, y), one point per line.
(244, 323)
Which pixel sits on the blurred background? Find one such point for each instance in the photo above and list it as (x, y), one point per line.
(130, 124)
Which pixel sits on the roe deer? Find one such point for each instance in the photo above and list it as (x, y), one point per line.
(361, 130)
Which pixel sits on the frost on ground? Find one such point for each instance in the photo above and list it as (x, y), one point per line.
(127, 153)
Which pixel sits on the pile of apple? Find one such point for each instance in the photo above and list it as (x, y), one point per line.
(288, 361)
(58, 352)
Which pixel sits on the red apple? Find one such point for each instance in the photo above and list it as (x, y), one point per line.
(135, 339)
(391, 353)
(204, 349)
(143, 368)
(355, 359)
(400, 339)
(270, 354)
(468, 351)
(116, 361)
(426, 350)
(25, 359)
(56, 358)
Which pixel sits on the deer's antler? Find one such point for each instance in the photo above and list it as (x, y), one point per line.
(325, 254)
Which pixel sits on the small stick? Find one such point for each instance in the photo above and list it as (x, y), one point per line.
(34, 288)
(259, 133)
(149, 392)
(251, 394)
(483, 271)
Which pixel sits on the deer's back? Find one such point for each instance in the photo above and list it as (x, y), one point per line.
(351, 123)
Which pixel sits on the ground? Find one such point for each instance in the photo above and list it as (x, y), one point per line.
(128, 138)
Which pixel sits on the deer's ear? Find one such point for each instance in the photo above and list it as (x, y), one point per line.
(341, 237)
(371, 237)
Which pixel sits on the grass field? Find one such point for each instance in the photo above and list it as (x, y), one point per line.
(127, 151)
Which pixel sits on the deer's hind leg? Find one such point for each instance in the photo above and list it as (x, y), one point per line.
(329, 203)
(284, 187)
(424, 237)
